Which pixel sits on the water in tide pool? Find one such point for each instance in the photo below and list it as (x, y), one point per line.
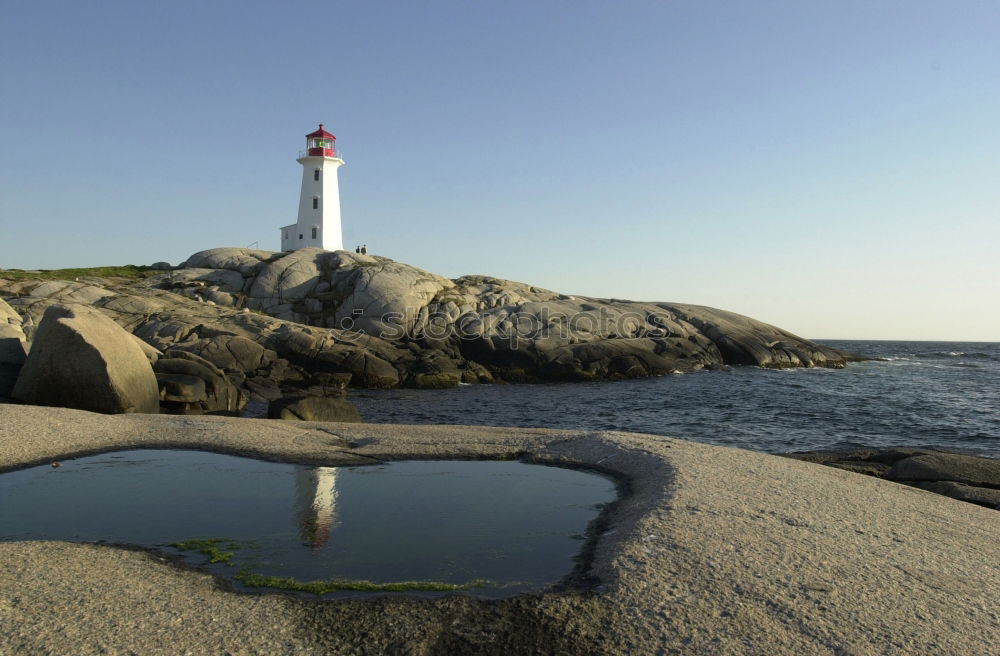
(943, 394)
(502, 527)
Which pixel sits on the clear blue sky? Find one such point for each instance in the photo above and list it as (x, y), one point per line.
(830, 167)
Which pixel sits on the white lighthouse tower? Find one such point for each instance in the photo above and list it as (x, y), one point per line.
(318, 224)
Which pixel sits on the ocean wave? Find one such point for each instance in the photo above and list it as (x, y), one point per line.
(904, 398)
(975, 355)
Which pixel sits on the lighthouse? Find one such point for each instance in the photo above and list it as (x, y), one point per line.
(318, 222)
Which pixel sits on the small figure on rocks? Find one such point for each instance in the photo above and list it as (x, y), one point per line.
(357, 249)
(364, 249)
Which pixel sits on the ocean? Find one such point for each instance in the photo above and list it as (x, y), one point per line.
(923, 394)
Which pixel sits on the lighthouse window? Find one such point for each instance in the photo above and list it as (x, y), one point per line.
(316, 174)
(315, 203)
(314, 233)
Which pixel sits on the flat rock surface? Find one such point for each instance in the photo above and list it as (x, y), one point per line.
(712, 551)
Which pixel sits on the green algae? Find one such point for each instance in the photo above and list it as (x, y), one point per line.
(253, 580)
(210, 548)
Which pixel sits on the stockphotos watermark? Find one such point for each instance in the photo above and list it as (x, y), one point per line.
(513, 327)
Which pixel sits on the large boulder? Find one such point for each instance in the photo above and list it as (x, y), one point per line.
(290, 278)
(244, 260)
(191, 385)
(314, 408)
(379, 296)
(80, 358)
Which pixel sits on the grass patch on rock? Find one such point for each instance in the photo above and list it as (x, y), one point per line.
(125, 271)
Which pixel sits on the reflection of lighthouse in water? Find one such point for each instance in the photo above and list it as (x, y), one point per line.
(316, 503)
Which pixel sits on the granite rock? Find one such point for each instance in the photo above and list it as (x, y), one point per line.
(960, 476)
(314, 408)
(190, 384)
(12, 348)
(956, 467)
(313, 313)
(82, 359)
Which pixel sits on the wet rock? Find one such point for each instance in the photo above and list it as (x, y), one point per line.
(982, 496)
(80, 358)
(472, 373)
(314, 408)
(442, 380)
(960, 476)
(334, 381)
(960, 468)
(870, 461)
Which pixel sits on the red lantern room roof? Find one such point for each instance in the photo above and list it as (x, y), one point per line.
(320, 133)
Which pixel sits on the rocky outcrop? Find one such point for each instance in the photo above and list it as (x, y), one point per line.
(267, 352)
(296, 319)
(80, 358)
(957, 475)
(477, 328)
